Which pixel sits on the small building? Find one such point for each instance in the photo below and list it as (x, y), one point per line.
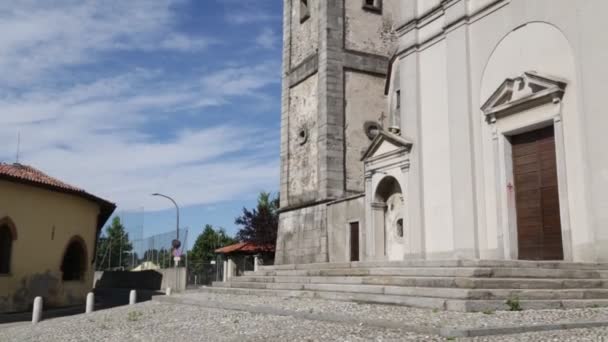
(241, 257)
(48, 236)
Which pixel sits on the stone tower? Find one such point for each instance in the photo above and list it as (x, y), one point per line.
(335, 60)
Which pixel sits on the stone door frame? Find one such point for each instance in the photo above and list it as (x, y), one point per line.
(532, 112)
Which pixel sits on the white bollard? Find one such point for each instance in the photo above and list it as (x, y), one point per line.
(256, 261)
(132, 297)
(168, 291)
(37, 312)
(90, 302)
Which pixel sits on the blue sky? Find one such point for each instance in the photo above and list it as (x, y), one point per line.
(127, 98)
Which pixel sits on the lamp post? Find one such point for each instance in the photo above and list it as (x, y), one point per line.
(177, 210)
(176, 244)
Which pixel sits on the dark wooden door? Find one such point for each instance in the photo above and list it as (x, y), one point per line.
(537, 201)
(354, 241)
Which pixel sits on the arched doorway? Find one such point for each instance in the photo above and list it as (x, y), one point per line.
(390, 196)
(8, 234)
(74, 264)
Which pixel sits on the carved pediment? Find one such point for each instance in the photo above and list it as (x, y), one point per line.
(386, 143)
(526, 91)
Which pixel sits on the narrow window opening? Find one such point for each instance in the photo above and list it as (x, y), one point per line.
(304, 11)
(400, 228)
(398, 99)
(373, 6)
(74, 262)
(6, 246)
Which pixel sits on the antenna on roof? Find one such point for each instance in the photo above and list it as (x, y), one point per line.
(18, 147)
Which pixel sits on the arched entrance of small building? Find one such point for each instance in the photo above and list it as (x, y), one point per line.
(74, 263)
(389, 196)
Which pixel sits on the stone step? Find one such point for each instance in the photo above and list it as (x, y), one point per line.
(443, 263)
(434, 292)
(470, 305)
(462, 272)
(453, 282)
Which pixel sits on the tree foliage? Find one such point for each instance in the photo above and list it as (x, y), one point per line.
(260, 225)
(206, 243)
(114, 247)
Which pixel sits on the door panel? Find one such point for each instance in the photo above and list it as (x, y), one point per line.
(536, 195)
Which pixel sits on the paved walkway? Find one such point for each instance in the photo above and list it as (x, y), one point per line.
(316, 321)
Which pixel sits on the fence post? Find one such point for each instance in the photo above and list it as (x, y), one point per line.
(37, 310)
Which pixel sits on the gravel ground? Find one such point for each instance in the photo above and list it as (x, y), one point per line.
(411, 316)
(154, 321)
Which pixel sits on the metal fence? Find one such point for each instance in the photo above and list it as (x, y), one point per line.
(151, 252)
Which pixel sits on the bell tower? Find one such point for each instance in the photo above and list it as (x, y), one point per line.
(335, 59)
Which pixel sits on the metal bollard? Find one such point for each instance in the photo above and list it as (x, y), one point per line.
(132, 297)
(168, 291)
(90, 303)
(37, 312)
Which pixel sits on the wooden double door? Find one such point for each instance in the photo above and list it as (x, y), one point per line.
(536, 195)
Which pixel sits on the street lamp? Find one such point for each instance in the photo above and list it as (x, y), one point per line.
(176, 207)
(176, 244)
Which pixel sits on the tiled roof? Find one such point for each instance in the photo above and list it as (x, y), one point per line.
(26, 174)
(30, 174)
(244, 247)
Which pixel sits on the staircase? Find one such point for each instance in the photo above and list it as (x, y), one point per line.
(456, 285)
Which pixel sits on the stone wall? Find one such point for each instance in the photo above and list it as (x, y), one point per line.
(365, 102)
(368, 31)
(304, 35)
(302, 236)
(302, 140)
(339, 216)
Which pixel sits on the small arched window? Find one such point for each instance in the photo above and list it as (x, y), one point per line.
(6, 248)
(74, 263)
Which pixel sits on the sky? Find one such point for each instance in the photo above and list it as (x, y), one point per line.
(128, 98)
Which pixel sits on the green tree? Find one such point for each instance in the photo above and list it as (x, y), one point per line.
(206, 243)
(260, 225)
(113, 247)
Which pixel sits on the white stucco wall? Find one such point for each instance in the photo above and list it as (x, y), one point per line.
(435, 132)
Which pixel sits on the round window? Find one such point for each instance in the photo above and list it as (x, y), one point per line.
(302, 135)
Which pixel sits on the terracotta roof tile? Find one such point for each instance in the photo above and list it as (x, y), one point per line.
(244, 247)
(30, 174)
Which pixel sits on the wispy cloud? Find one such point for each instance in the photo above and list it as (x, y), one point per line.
(267, 39)
(39, 37)
(249, 11)
(123, 133)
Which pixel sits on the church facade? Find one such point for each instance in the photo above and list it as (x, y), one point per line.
(443, 129)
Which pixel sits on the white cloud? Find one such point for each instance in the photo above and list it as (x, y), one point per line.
(267, 39)
(92, 132)
(240, 12)
(90, 135)
(39, 37)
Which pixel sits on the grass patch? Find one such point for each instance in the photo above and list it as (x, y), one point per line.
(134, 316)
(514, 304)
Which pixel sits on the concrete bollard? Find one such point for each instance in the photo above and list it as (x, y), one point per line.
(90, 303)
(37, 312)
(168, 291)
(132, 297)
